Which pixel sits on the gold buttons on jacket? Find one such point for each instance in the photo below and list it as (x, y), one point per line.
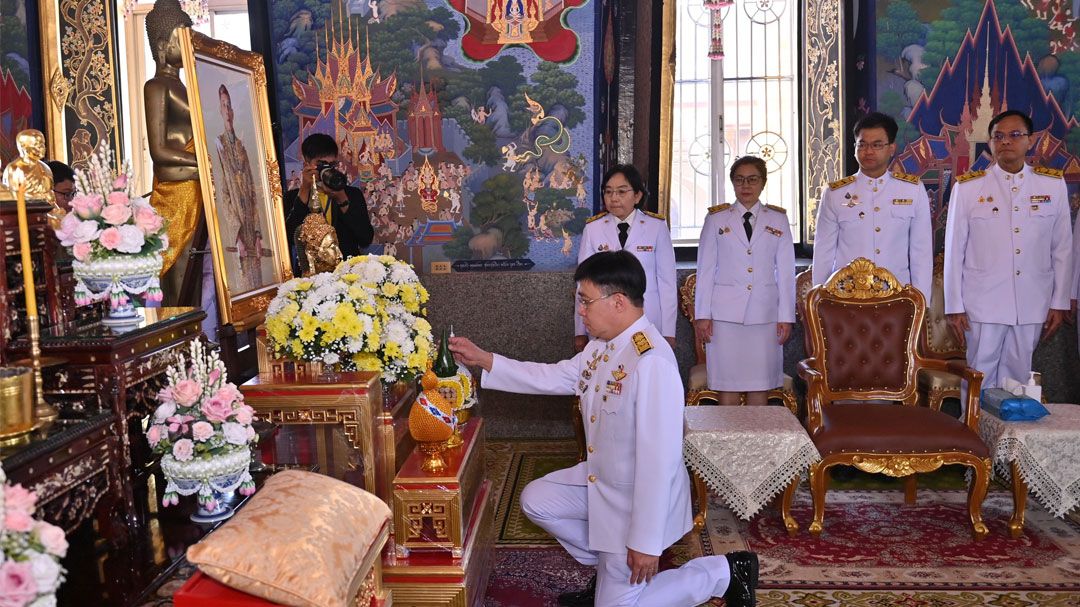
(591, 449)
(1018, 272)
(1018, 251)
(1016, 230)
(592, 478)
(749, 287)
(877, 209)
(592, 419)
(748, 251)
(1016, 208)
(877, 251)
(877, 229)
(749, 269)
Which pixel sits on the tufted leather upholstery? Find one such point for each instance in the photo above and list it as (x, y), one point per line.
(894, 429)
(865, 345)
(938, 339)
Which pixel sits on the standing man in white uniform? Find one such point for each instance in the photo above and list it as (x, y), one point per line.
(630, 498)
(1008, 255)
(626, 227)
(882, 216)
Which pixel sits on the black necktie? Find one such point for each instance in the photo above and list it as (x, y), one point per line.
(623, 227)
(746, 224)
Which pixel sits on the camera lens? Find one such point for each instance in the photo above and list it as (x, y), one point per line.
(330, 177)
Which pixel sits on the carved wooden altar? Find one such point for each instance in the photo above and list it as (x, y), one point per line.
(444, 528)
(43, 249)
(359, 430)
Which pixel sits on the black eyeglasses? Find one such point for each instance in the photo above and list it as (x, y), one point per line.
(998, 136)
(877, 146)
(60, 195)
(751, 180)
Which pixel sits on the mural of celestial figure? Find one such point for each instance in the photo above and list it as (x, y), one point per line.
(238, 195)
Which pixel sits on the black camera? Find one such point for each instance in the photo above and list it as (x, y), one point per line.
(330, 177)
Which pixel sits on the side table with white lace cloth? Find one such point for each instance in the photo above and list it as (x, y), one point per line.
(1042, 456)
(746, 455)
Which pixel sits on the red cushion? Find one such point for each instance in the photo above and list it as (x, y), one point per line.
(893, 428)
(202, 590)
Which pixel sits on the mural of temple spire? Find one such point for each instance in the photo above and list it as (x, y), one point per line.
(425, 119)
(985, 76)
(536, 24)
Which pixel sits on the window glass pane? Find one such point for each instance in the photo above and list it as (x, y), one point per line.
(760, 100)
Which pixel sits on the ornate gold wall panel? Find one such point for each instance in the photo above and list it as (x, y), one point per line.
(822, 106)
(82, 79)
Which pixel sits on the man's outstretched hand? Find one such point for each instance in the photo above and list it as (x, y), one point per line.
(642, 566)
(469, 354)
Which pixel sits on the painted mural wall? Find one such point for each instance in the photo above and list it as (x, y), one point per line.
(944, 68)
(18, 55)
(469, 124)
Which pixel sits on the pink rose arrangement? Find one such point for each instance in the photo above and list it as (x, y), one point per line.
(30, 551)
(200, 415)
(107, 219)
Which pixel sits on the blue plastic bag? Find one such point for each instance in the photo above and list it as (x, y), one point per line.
(1010, 407)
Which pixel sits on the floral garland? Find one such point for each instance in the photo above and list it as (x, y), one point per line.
(30, 551)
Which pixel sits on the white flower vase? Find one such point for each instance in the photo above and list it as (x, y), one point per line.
(212, 479)
(118, 277)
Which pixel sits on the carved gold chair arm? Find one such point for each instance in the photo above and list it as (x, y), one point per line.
(814, 389)
(700, 395)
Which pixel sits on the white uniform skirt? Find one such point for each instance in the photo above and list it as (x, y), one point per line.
(744, 358)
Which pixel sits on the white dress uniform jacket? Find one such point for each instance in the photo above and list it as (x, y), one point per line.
(748, 282)
(632, 404)
(650, 241)
(1008, 246)
(884, 219)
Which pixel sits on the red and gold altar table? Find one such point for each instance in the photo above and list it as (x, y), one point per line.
(444, 528)
(350, 426)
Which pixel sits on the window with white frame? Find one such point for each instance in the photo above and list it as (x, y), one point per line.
(757, 86)
(228, 21)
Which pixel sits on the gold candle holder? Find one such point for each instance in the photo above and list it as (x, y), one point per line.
(433, 459)
(16, 405)
(44, 412)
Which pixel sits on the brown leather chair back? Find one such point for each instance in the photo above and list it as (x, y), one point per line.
(686, 304)
(864, 328)
(938, 340)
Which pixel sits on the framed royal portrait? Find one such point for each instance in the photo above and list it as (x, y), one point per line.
(238, 175)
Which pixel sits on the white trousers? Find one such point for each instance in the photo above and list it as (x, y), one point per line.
(563, 511)
(1001, 351)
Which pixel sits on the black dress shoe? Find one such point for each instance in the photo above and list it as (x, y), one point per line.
(742, 587)
(581, 598)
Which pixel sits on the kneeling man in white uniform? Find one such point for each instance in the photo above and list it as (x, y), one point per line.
(630, 499)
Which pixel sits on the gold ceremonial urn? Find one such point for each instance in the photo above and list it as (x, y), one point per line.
(16, 404)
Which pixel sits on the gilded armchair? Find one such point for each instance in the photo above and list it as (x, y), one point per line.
(938, 341)
(697, 385)
(862, 400)
(804, 281)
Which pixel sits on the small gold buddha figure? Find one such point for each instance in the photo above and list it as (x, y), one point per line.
(316, 239)
(176, 192)
(35, 173)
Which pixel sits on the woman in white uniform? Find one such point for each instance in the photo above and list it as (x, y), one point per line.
(625, 226)
(745, 297)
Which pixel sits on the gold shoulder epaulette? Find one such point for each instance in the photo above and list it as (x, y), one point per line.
(1056, 173)
(595, 217)
(641, 343)
(906, 177)
(970, 175)
(778, 209)
(839, 183)
(655, 215)
(719, 207)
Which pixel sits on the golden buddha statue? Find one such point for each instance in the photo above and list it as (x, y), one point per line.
(36, 174)
(176, 192)
(317, 240)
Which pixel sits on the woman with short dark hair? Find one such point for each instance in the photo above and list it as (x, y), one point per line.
(745, 297)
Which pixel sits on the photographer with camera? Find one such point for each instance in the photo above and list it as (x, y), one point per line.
(344, 205)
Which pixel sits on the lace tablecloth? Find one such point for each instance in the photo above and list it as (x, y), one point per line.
(746, 455)
(1047, 453)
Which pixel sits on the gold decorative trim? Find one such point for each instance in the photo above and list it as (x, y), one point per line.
(897, 465)
(243, 310)
(79, 59)
(823, 141)
(667, 103)
(862, 279)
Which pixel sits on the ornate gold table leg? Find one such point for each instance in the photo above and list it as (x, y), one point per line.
(818, 486)
(1019, 491)
(702, 499)
(785, 507)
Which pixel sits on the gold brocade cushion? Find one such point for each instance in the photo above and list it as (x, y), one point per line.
(302, 541)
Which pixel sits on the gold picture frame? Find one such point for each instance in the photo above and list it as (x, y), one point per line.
(227, 96)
